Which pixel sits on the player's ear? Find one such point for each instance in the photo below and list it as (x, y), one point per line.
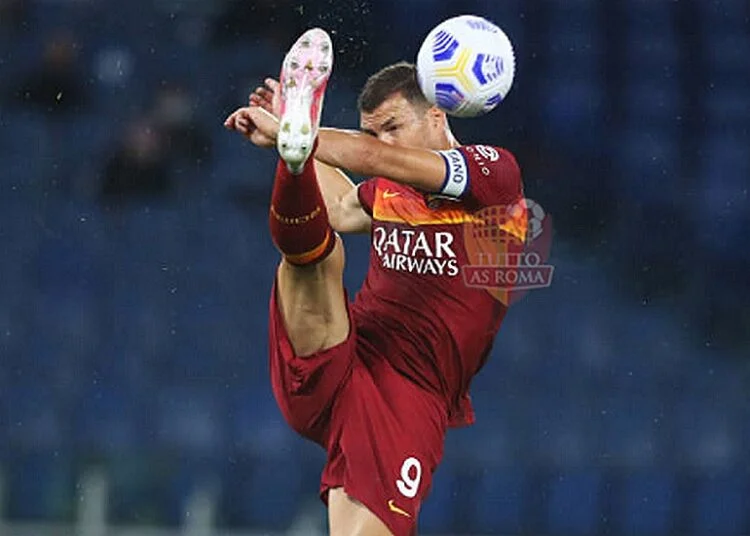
(436, 117)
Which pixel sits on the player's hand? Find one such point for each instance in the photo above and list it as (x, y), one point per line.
(256, 124)
(267, 97)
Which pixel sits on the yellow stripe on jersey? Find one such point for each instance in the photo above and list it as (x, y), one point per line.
(404, 207)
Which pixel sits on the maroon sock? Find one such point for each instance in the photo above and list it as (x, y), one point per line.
(298, 218)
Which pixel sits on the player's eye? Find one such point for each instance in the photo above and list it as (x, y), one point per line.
(392, 128)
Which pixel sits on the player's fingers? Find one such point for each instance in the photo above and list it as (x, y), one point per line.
(272, 84)
(243, 124)
(258, 91)
(259, 98)
(264, 104)
(237, 120)
(265, 94)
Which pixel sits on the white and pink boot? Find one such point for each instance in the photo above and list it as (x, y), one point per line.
(304, 75)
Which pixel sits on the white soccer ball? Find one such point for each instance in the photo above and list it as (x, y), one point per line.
(466, 66)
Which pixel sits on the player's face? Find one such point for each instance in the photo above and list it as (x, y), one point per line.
(399, 122)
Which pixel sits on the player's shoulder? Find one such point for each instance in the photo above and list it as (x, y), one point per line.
(383, 183)
(489, 153)
(489, 159)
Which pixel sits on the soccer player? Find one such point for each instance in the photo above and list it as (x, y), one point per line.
(377, 381)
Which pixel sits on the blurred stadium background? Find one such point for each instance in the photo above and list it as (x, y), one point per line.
(135, 268)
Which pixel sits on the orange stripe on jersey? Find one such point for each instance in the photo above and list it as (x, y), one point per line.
(403, 207)
(311, 256)
(516, 224)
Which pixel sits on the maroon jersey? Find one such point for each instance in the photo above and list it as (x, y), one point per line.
(414, 307)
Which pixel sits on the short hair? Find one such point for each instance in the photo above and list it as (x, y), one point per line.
(399, 78)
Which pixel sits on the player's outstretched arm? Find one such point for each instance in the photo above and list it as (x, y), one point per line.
(364, 155)
(354, 151)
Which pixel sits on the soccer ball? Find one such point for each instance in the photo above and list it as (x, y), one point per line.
(466, 66)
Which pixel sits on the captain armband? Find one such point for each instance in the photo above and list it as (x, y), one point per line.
(456, 180)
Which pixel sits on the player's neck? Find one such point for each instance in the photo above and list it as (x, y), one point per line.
(449, 141)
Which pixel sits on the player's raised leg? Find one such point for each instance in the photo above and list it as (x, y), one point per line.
(309, 286)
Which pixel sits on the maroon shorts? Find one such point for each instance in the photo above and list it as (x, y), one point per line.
(383, 434)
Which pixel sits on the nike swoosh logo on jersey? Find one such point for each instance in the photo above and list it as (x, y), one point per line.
(388, 194)
(395, 509)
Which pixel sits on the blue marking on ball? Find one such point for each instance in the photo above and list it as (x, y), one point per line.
(477, 69)
(493, 101)
(444, 47)
(481, 25)
(448, 96)
(487, 68)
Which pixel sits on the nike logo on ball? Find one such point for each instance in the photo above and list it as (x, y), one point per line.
(388, 194)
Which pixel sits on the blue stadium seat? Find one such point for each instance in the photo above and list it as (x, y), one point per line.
(256, 424)
(576, 50)
(27, 175)
(573, 108)
(439, 512)
(499, 501)
(654, 102)
(41, 486)
(647, 504)
(574, 503)
(652, 50)
(139, 487)
(649, 160)
(723, 17)
(195, 356)
(188, 475)
(190, 419)
(728, 107)
(111, 420)
(586, 9)
(720, 506)
(726, 55)
(708, 430)
(137, 340)
(631, 430)
(70, 321)
(38, 419)
(264, 493)
(724, 167)
(560, 431)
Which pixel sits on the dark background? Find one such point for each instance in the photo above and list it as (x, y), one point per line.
(135, 263)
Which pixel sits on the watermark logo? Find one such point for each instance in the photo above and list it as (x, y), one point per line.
(507, 249)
